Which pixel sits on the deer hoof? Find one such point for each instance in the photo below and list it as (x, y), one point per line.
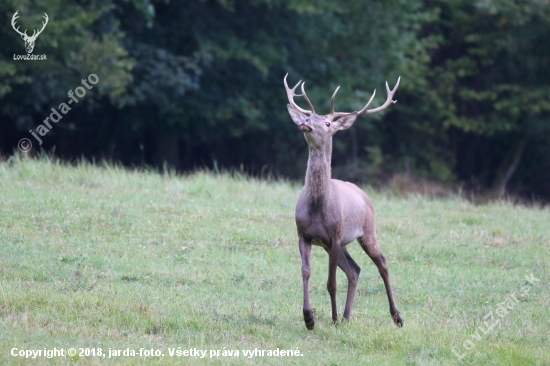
(397, 320)
(309, 318)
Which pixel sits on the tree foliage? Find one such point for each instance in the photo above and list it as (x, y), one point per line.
(196, 82)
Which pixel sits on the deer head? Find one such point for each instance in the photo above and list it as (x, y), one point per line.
(29, 40)
(318, 129)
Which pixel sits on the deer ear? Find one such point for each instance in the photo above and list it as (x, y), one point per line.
(296, 116)
(346, 121)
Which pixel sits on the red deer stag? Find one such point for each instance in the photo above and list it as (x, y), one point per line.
(331, 213)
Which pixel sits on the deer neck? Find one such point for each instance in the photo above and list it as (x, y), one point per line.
(318, 175)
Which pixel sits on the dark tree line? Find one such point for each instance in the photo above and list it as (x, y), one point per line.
(198, 83)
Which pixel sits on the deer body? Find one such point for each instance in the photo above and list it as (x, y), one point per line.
(331, 213)
(329, 208)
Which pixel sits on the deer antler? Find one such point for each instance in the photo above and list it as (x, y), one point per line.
(291, 94)
(365, 110)
(306, 98)
(15, 16)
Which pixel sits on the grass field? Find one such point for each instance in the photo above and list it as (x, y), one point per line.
(115, 259)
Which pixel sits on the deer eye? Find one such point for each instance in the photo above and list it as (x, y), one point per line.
(328, 124)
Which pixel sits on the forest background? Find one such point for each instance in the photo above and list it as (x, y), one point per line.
(193, 84)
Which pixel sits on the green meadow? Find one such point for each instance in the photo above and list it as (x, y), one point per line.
(102, 259)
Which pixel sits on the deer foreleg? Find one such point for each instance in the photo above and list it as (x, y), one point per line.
(333, 258)
(305, 251)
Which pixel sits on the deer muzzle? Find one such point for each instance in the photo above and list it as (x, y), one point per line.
(305, 128)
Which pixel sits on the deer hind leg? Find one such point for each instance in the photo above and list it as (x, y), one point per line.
(352, 271)
(370, 246)
(305, 252)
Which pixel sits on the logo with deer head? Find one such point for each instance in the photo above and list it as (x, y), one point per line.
(29, 40)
